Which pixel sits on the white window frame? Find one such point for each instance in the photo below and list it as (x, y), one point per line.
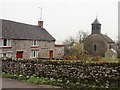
(34, 53)
(34, 44)
(1, 55)
(1, 42)
(8, 42)
(8, 55)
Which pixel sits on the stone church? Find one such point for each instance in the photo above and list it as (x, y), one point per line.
(97, 43)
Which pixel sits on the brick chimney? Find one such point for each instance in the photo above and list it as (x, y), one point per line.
(40, 24)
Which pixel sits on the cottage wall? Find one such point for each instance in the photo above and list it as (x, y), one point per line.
(21, 45)
(59, 52)
(26, 47)
(45, 47)
(6, 51)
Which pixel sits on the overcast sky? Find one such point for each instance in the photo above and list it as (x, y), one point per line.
(64, 18)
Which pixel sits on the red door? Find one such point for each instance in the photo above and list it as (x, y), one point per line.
(19, 54)
(51, 54)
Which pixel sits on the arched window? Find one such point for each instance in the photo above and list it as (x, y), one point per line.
(94, 47)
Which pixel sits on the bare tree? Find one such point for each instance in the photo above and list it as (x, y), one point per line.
(74, 46)
(69, 43)
(81, 36)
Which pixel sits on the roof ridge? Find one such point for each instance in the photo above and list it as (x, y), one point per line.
(17, 30)
(107, 37)
(17, 22)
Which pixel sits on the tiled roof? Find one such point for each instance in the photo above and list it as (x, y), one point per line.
(16, 30)
(109, 40)
(105, 37)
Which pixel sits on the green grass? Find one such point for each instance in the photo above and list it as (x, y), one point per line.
(8, 75)
(33, 79)
(37, 80)
(62, 83)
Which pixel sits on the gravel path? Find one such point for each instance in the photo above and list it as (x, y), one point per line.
(11, 83)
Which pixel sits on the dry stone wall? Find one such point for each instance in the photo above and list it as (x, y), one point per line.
(71, 71)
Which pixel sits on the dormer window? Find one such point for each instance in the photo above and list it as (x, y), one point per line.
(35, 43)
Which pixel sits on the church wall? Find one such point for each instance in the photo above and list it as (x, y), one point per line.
(101, 45)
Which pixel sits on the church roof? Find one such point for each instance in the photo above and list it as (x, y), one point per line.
(16, 30)
(105, 37)
(108, 39)
(96, 21)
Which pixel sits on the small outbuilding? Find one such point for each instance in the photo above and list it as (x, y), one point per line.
(59, 51)
(111, 53)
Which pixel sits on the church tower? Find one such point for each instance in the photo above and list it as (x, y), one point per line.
(96, 27)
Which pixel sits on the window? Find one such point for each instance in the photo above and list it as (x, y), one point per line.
(5, 42)
(9, 55)
(34, 43)
(1, 55)
(34, 54)
(94, 46)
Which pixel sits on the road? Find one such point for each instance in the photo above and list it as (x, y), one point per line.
(11, 83)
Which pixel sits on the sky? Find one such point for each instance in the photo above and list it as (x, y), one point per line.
(64, 18)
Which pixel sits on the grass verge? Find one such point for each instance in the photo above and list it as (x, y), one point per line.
(62, 83)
